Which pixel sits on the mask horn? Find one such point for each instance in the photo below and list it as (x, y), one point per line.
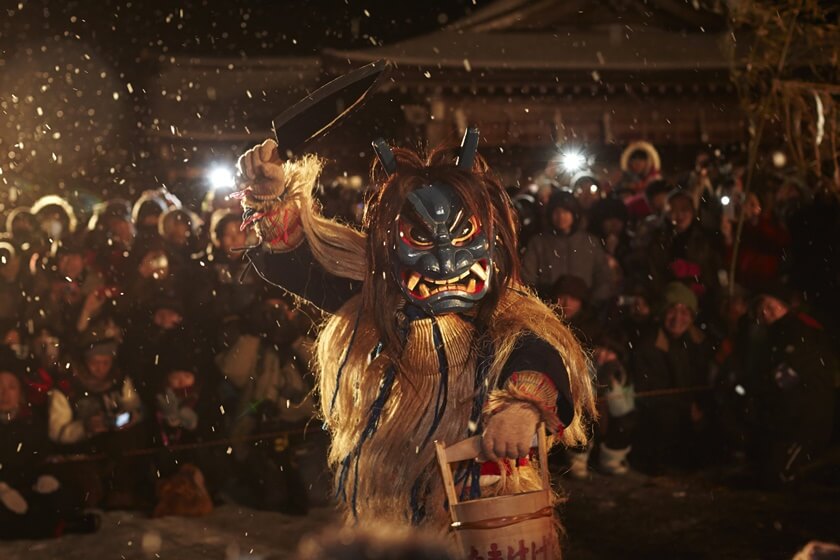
(469, 144)
(385, 155)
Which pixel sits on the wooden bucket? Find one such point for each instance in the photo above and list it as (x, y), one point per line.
(518, 526)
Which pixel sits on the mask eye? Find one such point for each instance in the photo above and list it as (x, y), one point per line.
(414, 234)
(419, 236)
(465, 232)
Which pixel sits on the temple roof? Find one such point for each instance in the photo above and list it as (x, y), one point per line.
(624, 35)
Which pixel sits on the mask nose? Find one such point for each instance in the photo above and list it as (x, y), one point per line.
(446, 256)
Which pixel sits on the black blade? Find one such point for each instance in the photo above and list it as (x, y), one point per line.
(317, 112)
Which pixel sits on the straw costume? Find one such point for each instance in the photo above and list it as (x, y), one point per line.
(430, 336)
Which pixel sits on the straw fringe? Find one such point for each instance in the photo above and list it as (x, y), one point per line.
(394, 457)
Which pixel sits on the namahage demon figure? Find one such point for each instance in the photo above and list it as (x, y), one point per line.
(430, 335)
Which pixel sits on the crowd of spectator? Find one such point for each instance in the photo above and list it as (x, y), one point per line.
(134, 346)
(694, 366)
(138, 349)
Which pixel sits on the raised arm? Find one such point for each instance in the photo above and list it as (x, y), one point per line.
(272, 192)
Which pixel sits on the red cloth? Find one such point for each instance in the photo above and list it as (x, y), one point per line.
(40, 383)
(638, 208)
(491, 468)
(760, 253)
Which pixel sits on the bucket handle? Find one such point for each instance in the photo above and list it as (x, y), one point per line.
(470, 448)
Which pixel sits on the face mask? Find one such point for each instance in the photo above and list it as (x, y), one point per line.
(52, 228)
(443, 259)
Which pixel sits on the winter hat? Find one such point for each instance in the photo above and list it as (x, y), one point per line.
(149, 204)
(574, 286)
(678, 293)
(7, 251)
(54, 202)
(21, 213)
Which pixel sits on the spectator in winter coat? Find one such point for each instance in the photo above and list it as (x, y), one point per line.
(762, 248)
(63, 287)
(155, 332)
(614, 384)
(147, 210)
(267, 366)
(616, 403)
(155, 272)
(22, 226)
(45, 370)
(101, 400)
(179, 229)
(640, 165)
(15, 282)
(186, 410)
(566, 250)
(650, 203)
(571, 295)
(56, 218)
(675, 356)
(681, 251)
(102, 413)
(798, 389)
(110, 237)
(33, 503)
(220, 292)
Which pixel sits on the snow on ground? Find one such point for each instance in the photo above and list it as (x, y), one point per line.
(704, 515)
(229, 533)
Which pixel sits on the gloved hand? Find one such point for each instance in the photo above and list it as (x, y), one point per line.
(620, 399)
(12, 499)
(277, 221)
(188, 418)
(46, 484)
(262, 169)
(509, 432)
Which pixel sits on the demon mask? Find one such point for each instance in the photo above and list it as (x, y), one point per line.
(442, 252)
(443, 256)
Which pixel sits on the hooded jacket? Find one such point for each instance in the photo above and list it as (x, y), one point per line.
(553, 254)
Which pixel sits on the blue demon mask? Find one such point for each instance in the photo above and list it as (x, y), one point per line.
(443, 256)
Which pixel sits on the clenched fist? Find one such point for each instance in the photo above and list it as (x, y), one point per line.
(263, 178)
(262, 171)
(509, 432)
